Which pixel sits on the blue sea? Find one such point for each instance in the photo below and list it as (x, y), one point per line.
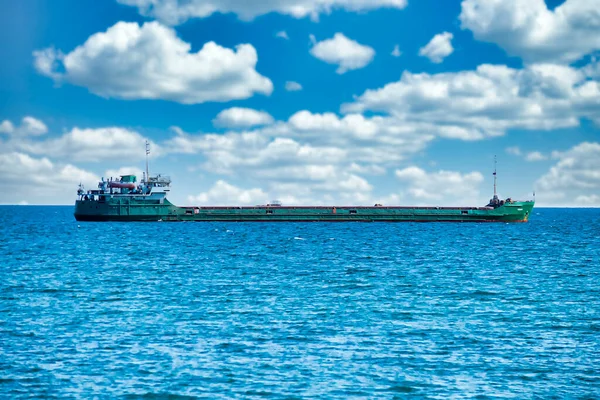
(299, 310)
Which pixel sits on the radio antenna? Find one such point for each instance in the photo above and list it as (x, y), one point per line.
(147, 153)
(495, 177)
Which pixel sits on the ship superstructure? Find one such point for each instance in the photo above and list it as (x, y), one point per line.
(125, 188)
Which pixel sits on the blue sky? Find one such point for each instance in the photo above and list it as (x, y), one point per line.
(84, 83)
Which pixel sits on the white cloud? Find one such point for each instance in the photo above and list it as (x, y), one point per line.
(292, 86)
(237, 117)
(53, 183)
(528, 29)
(592, 200)
(396, 52)
(307, 138)
(318, 177)
(530, 156)
(515, 151)
(32, 126)
(178, 11)
(438, 48)
(223, 193)
(486, 102)
(344, 52)
(129, 61)
(89, 145)
(48, 62)
(354, 183)
(350, 190)
(372, 169)
(283, 35)
(535, 156)
(7, 127)
(442, 187)
(319, 158)
(356, 124)
(29, 127)
(244, 153)
(574, 179)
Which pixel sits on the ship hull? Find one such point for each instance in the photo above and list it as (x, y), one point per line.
(131, 210)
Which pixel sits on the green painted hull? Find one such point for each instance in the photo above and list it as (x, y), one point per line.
(129, 209)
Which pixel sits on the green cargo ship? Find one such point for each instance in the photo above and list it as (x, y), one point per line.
(125, 200)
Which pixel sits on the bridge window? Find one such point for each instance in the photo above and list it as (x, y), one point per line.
(352, 211)
(464, 212)
(269, 211)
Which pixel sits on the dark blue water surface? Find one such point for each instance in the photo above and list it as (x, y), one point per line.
(231, 310)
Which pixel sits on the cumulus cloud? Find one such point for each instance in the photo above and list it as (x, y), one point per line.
(344, 52)
(514, 150)
(223, 193)
(528, 29)
(368, 169)
(351, 190)
(438, 48)
(356, 124)
(178, 11)
(7, 127)
(129, 61)
(48, 62)
(451, 187)
(245, 153)
(319, 158)
(292, 86)
(535, 156)
(574, 179)
(592, 200)
(29, 127)
(396, 52)
(283, 35)
(486, 102)
(307, 138)
(90, 145)
(530, 156)
(54, 183)
(237, 117)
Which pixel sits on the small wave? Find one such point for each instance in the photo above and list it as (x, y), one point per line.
(298, 238)
(401, 389)
(161, 395)
(483, 293)
(51, 290)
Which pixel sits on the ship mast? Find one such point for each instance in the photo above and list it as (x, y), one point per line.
(495, 178)
(147, 153)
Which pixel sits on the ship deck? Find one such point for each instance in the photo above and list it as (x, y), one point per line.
(331, 207)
